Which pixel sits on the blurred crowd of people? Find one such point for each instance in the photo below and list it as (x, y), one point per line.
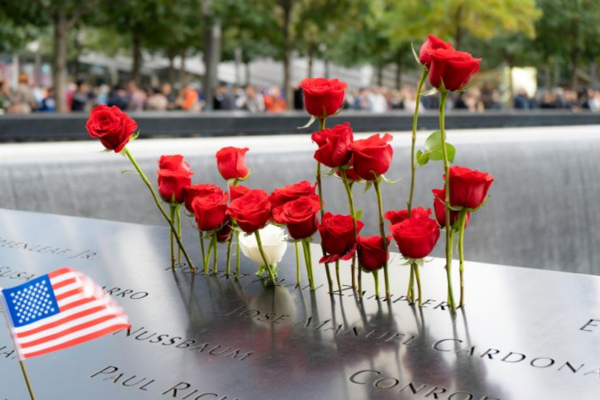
(81, 97)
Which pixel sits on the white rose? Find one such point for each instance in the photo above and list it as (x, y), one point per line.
(273, 242)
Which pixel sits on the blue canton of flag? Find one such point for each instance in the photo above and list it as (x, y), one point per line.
(31, 302)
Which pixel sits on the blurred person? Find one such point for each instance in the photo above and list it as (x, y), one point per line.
(521, 100)
(102, 93)
(571, 100)
(299, 98)
(409, 98)
(378, 101)
(254, 101)
(188, 99)
(81, 97)
(363, 100)
(22, 100)
(157, 101)
(492, 101)
(48, 103)
(592, 100)
(548, 100)
(118, 97)
(5, 100)
(224, 98)
(135, 97)
(167, 90)
(274, 102)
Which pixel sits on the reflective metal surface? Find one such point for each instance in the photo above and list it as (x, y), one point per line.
(525, 334)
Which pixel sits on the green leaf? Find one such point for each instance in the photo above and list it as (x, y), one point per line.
(310, 122)
(429, 92)
(368, 186)
(126, 171)
(358, 214)
(386, 180)
(412, 46)
(433, 150)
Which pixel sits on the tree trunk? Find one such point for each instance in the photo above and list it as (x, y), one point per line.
(548, 77)
(59, 61)
(327, 69)
(593, 74)
(182, 75)
(287, 54)
(248, 73)
(379, 75)
(574, 65)
(311, 59)
(211, 52)
(137, 57)
(171, 69)
(398, 74)
(238, 66)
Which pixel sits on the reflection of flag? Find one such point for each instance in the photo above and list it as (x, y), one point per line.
(59, 310)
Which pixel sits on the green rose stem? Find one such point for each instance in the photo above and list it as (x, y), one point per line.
(462, 219)
(297, 263)
(353, 213)
(337, 275)
(215, 254)
(415, 267)
(172, 216)
(207, 257)
(178, 218)
(201, 239)
(237, 254)
(264, 257)
(162, 211)
(376, 184)
(320, 189)
(411, 287)
(376, 279)
(308, 260)
(413, 161)
(443, 97)
(228, 268)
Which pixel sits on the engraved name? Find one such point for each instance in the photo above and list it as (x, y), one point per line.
(39, 248)
(380, 381)
(593, 325)
(180, 390)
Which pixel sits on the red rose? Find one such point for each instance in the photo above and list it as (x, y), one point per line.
(193, 191)
(112, 126)
(416, 237)
(337, 237)
(251, 211)
(439, 195)
(224, 234)
(323, 97)
(289, 193)
(452, 68)
(398, 216)
(300, 216)
(238, 191)
(174, 163)
(171, 184)
(210, 211)
(334, 145)
(432, 43)
(468, 187)
(371, 255)
(350, 174)
(372, 156)
(231, 163)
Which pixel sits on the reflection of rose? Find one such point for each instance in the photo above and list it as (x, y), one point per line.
(277, 300)
(273, 243)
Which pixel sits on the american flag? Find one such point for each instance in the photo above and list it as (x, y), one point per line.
(61, 309)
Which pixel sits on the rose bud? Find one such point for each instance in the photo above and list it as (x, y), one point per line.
(300, 216)
(224, 234)
(238, 191)
(440, 209)
(416, 237)
(251, 211)
(199, 190)
(372, 156)
(171, 184)
(112, 126)
(174, 163)
(232, 164)
(210, 211)
(323, 97)
(371, 255)
(285, 194)
(273, 243)
(468, 187)
(337, 237)
(451, 68)
(398, 216)
(432, 43)
(334, 145)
